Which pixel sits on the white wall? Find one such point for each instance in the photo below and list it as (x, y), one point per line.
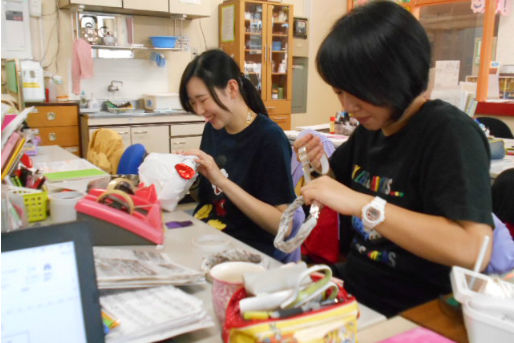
(321, 100)
(203, 33)
(505, 43)
(138, 75)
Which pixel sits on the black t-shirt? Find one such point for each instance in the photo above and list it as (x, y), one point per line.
(437, 164)
(258, 159)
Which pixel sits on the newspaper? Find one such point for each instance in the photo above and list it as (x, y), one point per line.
(153, 314)
(136, 268)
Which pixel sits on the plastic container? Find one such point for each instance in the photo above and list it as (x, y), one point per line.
(332, 124)
(162, 101)
(487, 303)
(35, 202)
(163, 41)
(485, 324)
(32, 80)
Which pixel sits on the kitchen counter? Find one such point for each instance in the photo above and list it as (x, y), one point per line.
(158, 132)
(108, 118)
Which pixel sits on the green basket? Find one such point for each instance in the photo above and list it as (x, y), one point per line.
(35, 202)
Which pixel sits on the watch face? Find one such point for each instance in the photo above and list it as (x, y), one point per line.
(372, 214)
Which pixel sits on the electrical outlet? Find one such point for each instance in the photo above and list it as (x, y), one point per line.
(194, 51)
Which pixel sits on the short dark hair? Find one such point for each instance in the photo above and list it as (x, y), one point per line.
(378, 52)
(502, 195)
(215, 68)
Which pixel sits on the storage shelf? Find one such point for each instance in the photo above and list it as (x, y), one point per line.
(114, 47)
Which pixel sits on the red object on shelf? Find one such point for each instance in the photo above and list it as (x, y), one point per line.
(495, 108)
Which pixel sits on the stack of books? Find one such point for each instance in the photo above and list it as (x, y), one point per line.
(13, 142)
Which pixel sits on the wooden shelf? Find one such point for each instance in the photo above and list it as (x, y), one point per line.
(114, 47)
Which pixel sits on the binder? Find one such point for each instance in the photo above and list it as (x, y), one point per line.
(9, 147)
(14, 159)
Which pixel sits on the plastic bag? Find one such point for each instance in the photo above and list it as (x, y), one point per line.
(171, 174)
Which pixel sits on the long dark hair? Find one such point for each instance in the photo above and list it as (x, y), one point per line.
(215, 68)
(378, 52)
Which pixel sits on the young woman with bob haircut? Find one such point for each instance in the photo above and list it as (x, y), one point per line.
(413, 178)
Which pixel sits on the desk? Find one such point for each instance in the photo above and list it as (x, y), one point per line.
(429, 315)
(54, 153)
(497, 166)
(178, 244)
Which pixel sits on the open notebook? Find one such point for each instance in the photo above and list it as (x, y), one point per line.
(49, 291)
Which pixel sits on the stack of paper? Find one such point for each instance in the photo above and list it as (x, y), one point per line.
(134, 268)
(153, 314)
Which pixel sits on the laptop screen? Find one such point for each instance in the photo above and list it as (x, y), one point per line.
(44, 295)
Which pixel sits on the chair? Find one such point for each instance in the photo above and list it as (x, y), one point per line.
(497, 127)
(131, 159)
(105, 150)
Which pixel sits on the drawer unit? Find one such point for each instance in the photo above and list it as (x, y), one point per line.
(53, 116)
(58, 124)
(185, 143)
(160, 133)
(186, 129)
(283, 120)
(58, 135)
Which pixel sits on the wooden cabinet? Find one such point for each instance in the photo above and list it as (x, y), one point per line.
(198, 8)
(58, 124)
(103, 3)
(185, 136)
(192, 9)
(154, 5)
(153, 137)
(258, 35)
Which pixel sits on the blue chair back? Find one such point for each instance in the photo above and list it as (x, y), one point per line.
(131, 159)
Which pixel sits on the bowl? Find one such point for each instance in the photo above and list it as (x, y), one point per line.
(163, 41)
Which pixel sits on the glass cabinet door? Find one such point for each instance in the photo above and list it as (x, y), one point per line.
(254, 44)
(278, 54)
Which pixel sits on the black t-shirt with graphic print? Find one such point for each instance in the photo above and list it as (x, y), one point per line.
(438, 164)
(258, 159)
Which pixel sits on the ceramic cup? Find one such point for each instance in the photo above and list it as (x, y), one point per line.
(227, 277)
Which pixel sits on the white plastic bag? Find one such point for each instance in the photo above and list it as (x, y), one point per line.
(172, 175)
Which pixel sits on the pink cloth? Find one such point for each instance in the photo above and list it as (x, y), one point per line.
(81, 64)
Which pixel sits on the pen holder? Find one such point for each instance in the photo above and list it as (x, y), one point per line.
(337, 321)
(35, 202)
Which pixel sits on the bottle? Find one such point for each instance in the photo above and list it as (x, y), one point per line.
(332, 124)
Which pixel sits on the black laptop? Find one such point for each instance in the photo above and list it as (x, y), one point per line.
(49, 291)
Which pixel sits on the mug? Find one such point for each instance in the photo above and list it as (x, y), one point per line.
(227, 277)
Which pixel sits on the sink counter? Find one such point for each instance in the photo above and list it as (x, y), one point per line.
(158, 132)
(107, 118)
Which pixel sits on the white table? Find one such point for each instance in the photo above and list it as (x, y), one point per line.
(180, 246)
(54, 153)
(496, 167)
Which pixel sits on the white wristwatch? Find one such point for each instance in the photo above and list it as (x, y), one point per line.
(373, 213)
